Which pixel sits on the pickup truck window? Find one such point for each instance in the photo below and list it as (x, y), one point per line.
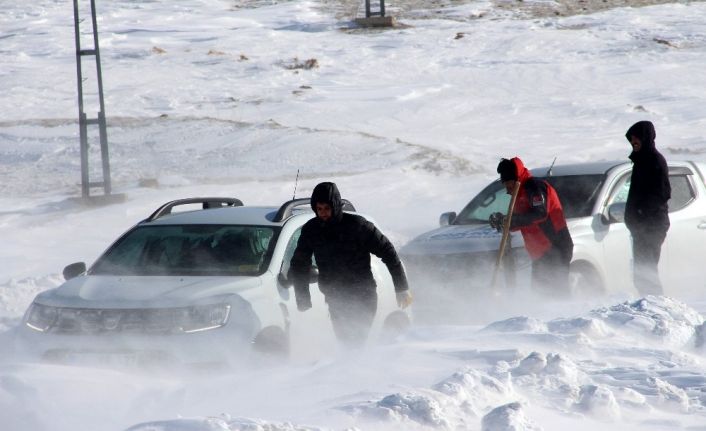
(577, 193)
(493, 198)
(619, 194)
(683, 192)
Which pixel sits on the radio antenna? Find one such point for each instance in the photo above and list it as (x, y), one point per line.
(549, 171)
(296, 181)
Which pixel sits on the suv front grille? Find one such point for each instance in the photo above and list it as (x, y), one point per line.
(90, 321)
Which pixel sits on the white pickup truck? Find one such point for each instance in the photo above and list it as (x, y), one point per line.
(593, 195)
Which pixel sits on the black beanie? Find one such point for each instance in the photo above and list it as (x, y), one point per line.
(507, 170)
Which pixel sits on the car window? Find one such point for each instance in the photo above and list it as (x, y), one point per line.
(190, 250)
(493, 198)
(289, 252)
(619, 193)
(682, 192)
(577, 193)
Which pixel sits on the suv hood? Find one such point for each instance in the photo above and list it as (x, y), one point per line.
(456, 239)
(106, 291)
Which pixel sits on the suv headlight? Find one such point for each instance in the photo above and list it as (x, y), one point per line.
(41, 317)
(204, 317)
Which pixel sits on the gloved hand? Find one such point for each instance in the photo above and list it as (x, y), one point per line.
(404, 299)
(303, 304)
(497, 220)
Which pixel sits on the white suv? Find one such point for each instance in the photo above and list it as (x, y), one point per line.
(195, 286)
(463, 250)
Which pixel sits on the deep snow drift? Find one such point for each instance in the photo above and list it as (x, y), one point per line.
(209, 99)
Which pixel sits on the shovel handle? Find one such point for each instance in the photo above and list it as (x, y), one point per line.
(506, 233)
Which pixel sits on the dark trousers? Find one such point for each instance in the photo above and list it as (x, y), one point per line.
(550, 272)
(646, 250)
(352, 316)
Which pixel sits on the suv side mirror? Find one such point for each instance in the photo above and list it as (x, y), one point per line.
(616, 213)
(74, 270)
(447, 218)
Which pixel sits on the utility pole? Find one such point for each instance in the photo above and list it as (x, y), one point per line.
(83, 120)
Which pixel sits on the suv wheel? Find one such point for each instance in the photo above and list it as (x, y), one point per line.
(272, 341)
(395, 324)
(584, 280)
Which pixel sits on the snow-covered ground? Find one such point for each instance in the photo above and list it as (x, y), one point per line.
(209, 98)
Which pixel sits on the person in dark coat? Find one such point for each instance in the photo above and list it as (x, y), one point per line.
(646, 209)
(539, 216)
(342, 243)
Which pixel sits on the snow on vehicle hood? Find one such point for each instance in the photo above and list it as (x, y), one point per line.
(143, 291)
(457, 239)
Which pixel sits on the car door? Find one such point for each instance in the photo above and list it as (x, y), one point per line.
(617, 243)
(680, 262)
(684, 246)
(310, 331)
(317, 298)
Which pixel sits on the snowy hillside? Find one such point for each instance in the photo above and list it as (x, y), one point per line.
(215, 97)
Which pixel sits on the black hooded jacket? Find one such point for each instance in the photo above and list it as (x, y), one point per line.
(342, 248)
(646, 207)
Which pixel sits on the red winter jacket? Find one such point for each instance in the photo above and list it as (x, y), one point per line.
(539, 216)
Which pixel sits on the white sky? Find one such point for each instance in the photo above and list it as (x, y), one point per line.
(409, 123)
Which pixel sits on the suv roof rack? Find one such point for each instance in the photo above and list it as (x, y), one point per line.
(206, 203)
(285, 211)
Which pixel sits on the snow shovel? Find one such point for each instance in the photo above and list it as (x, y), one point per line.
(506, 234)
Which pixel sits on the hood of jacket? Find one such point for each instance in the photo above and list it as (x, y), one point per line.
(327, 193)
(523, 174)
(645, 132)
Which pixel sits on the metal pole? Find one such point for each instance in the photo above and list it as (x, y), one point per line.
(83, 131)
(81, 116)
(367, 8)
(101, 114)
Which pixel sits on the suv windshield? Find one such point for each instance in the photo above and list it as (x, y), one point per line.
(190, 250)
(577, 194)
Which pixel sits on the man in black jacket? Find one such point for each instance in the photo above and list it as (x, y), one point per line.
(341, 244)
(646, 210)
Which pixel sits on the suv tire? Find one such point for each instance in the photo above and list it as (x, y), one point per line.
(584, 280)
(272, 341)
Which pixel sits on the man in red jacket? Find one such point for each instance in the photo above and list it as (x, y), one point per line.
(538, 215)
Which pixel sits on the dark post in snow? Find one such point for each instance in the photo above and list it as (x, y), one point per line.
(380, 12)
(375, 18)
(83, 119)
